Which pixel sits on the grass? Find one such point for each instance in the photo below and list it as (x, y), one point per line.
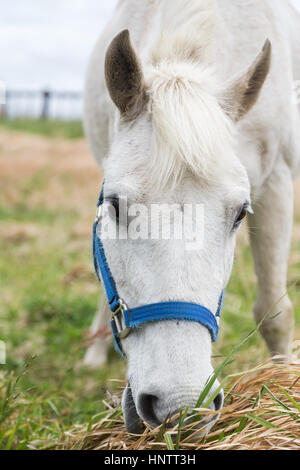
(49, 294)
(52, 128)
(261, 413)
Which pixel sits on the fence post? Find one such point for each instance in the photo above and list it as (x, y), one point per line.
(37, 104)
(45, 105)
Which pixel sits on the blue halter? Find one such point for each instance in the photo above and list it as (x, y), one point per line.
(124, 319)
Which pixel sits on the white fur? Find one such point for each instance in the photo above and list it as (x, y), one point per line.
(186, 148)
(185, 114)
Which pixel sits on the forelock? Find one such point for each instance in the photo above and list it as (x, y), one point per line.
(191, 131)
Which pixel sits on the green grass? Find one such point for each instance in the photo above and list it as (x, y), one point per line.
(49, 128)
(43, 315)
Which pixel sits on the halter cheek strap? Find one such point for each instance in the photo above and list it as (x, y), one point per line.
(124, 319)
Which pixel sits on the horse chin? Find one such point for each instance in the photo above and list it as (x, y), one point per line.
(133, 422)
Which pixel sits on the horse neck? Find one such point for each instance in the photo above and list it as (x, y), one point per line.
(193, 33)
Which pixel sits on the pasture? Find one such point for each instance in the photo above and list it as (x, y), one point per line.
(49, 187)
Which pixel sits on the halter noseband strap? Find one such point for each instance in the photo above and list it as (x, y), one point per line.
(124, 319)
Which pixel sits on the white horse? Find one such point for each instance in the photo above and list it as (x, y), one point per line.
(195, 105)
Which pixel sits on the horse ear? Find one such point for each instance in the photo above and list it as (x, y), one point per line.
(124, 76)
(243, 91)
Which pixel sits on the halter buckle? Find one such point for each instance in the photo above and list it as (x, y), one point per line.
(118, 318)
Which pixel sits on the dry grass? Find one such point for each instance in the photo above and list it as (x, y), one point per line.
(49, 173)
(262, 412)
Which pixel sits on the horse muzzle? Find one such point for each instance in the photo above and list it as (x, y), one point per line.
(153, 407)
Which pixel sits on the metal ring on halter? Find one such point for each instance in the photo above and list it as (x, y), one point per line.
(118, 317)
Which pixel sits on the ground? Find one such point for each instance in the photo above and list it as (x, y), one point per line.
(49, 294)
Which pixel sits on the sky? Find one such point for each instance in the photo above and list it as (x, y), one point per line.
(47, 43)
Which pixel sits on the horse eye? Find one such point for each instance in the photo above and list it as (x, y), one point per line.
(241, 215)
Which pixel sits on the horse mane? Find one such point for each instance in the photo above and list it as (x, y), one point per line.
(187, 31)
(190, 128)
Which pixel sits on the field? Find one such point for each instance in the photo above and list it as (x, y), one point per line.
(49, 185)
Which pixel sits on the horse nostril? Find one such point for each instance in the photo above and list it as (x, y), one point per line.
(218, 401)
(146, 407)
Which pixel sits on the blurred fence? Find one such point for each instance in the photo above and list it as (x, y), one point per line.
(42, 104)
